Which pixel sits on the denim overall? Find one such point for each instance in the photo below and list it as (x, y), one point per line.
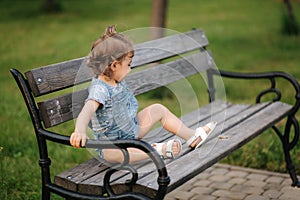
(116, 117)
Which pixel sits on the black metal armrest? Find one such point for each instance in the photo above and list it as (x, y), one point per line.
(272, 76)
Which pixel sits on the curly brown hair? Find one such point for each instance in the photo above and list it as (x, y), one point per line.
(109, 47)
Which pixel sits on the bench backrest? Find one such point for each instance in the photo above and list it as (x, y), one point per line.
(179, 56)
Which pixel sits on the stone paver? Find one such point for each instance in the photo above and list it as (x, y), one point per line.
(273, 194)
(224, 182)
(274, 179)
(247, 189)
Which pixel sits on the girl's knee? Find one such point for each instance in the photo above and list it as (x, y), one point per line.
(159, 107)
(161, 112)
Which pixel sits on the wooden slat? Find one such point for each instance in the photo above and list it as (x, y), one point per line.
(63, 108)
(70, 179)
(198, 160)
(193, 119)
(164, 74)
(54, 77)
(166, 47)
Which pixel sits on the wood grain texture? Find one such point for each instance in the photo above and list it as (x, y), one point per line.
(64, 108)
(55, 77)
(238, 127)
(186, 167)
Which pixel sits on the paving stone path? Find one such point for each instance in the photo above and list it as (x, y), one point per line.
(226, 182)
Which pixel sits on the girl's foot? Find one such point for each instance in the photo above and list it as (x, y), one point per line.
(171, 149)
(201, 135)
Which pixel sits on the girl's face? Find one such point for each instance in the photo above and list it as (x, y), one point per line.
(121, 69)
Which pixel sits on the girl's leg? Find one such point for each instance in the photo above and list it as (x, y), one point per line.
(159, 113)
(152, 114)
(148, 117)
(115, 155)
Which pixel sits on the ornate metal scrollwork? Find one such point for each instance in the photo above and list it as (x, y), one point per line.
(129, 183)
(115, 167)
(123, 145)
(288, 143)
(272, 89)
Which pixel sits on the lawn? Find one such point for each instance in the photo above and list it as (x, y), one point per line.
(243, 35)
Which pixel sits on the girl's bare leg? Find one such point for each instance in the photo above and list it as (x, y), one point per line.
(148, 117)
(115, 155)
(159, 113)
(152, 114)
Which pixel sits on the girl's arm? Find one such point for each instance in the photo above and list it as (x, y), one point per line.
(79, 136)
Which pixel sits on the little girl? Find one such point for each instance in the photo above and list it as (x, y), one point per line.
(111, 108)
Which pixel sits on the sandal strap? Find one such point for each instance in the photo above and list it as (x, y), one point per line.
(199, 133)
(159, 148)
(169, 145)
(169, 153)
(203, 136)
(202, 133)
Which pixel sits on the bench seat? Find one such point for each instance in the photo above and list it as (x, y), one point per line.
(229, 135)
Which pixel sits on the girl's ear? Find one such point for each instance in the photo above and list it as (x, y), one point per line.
(113, 65)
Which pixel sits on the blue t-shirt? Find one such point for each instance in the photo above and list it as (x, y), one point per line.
(116, 117)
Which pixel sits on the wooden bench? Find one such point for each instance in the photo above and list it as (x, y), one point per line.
(177, 57)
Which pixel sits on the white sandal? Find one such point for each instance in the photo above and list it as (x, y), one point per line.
(200, 132)
(169, 153)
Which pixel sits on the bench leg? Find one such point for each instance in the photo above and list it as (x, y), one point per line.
(44, 164)
(288, 145)
(45, 194)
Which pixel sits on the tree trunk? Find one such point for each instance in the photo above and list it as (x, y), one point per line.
(158, 22)
(158, 18)
(51, 6)
(290, 25)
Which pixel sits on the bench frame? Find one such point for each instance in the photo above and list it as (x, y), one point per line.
(163, 180)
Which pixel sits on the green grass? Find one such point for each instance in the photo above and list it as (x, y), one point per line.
(244, 36)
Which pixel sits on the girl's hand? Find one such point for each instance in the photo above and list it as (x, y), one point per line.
(78, 139)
